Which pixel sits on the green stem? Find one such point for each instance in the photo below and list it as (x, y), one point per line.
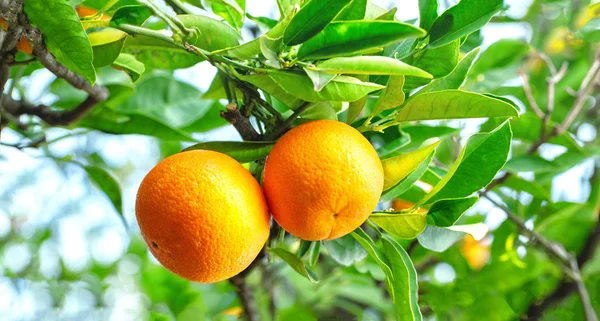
(174, 23)
(226, 88)
(283, 127)
(178, 7)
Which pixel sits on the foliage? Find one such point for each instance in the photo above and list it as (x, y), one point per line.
(407, 86)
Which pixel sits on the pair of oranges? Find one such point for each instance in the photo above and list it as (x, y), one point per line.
(206, 218)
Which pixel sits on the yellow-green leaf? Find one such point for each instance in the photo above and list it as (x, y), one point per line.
(402, 225)
(397, 168)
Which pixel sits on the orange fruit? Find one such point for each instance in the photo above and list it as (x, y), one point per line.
(203, 216)
(322, 180)
(476, 253)
(83, 11)
(399, 204)
(23, 45)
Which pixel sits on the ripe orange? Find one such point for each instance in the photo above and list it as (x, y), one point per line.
(203, 216)
(476, 253)
(322, 180)
(23, 45)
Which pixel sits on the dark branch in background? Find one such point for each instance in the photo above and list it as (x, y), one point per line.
(45, 113)
(246, 297)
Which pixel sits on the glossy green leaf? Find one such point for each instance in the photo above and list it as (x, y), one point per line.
(401, 225)
(109, 121)
(154, 53)
(529, 163)
(499, 55)
(356, 107)
(108, 185)
(392, 96)
(267, 84)
(456, 78)
(131, 15)
(270, 50)
(354, 11)
(462, 19)
(388, 15)
(420, 133)
(341, 88)
(315, 252)
(263, 22)
(251, 48)
(286, 6)
(163, 97)
(438, 61)
(397, 168)
(444, 213)
(406, 183)
(373, 11)
(210, 120)
(319, 79)
(367, 243)
(295, 263)
(243, 152)
(439, 239)
(63, 35)
(406, 286)
(352, 37)
(130, 65)
(230, 10)
(369, 65)
(322, 110)
(454, 104)
(590, 32)
(311, 19)
(106, 45)
(304, 248)
(477, 164)
(214, 34)
(427, 13)
(345, 250)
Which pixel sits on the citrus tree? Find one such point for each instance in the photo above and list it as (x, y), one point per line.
(345, 197)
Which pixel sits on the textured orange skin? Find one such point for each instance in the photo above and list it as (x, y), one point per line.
(322, 180)
(203, 216)
(23, 45)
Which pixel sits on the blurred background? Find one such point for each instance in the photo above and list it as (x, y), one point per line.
(66, 254)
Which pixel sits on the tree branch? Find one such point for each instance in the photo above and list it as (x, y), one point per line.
(240, 122)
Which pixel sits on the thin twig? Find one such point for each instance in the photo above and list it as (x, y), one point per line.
(528, 93)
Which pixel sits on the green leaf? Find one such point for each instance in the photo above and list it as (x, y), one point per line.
(263, 22)
(214, 35)
(529, 163)
(559, 225)
(500, 54)
(63, 34)
(408, 182)
(456, 78)
(163, 97)
(444, 213)
(155, 53)
(389, 15)
(304, 247)
(519, 184)
(454, 104)
(462, 19)
(319, 79)
(268, 85)
(131, 15)
(295, 263)
(397, 168)
(352, 37)
(252, 48)
(392, 96)
(286, 6)
(311, 19)
(427, 13)
(439, 239)
(367, 243)
(369, 65)
(341, 88)
(109, 121)
(322, 110)
(356, 107)
(130, 65)
(401, 225)
(243, 152)
(106, 45)
(345, 250)
(439, 61)
(108, 185)
(420, 133)
(590, 32)
(477, 164)
(231, 11)
(354, 11)
(406, 286)
(210, 120)
(270, 50)
(315, 251)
